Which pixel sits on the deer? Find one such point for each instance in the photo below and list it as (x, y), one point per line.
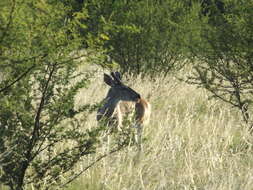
(120, 101)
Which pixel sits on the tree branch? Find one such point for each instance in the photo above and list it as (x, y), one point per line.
(37, 117)
(17, 79)
(90, 165)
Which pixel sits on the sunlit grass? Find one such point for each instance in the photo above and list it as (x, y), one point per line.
(190, 143)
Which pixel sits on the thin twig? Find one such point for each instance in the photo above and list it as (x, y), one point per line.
(17, 79)
(90, 165)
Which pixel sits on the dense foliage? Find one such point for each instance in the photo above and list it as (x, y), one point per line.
(39, 56)
(225, 55)
(38, 67)
(143, 36)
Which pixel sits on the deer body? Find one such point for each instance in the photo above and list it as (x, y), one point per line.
(122, 101)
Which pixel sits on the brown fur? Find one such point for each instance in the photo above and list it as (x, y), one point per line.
(122, 101)
(141, 110)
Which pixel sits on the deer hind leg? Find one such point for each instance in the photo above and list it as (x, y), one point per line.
(138, 135)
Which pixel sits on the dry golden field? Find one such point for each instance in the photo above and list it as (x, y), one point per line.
(191, 143)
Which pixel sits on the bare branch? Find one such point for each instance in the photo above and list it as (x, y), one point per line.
(38, 115)
(90, 165)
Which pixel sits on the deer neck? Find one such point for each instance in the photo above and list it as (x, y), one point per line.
(109, 106)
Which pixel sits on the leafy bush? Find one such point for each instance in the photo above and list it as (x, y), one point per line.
(225, 56)
(37, 92)
(142, 36)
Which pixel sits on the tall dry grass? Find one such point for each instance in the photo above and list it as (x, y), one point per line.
(191, 143)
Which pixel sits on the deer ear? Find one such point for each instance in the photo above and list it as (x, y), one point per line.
(118, 75)
(108, 80)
